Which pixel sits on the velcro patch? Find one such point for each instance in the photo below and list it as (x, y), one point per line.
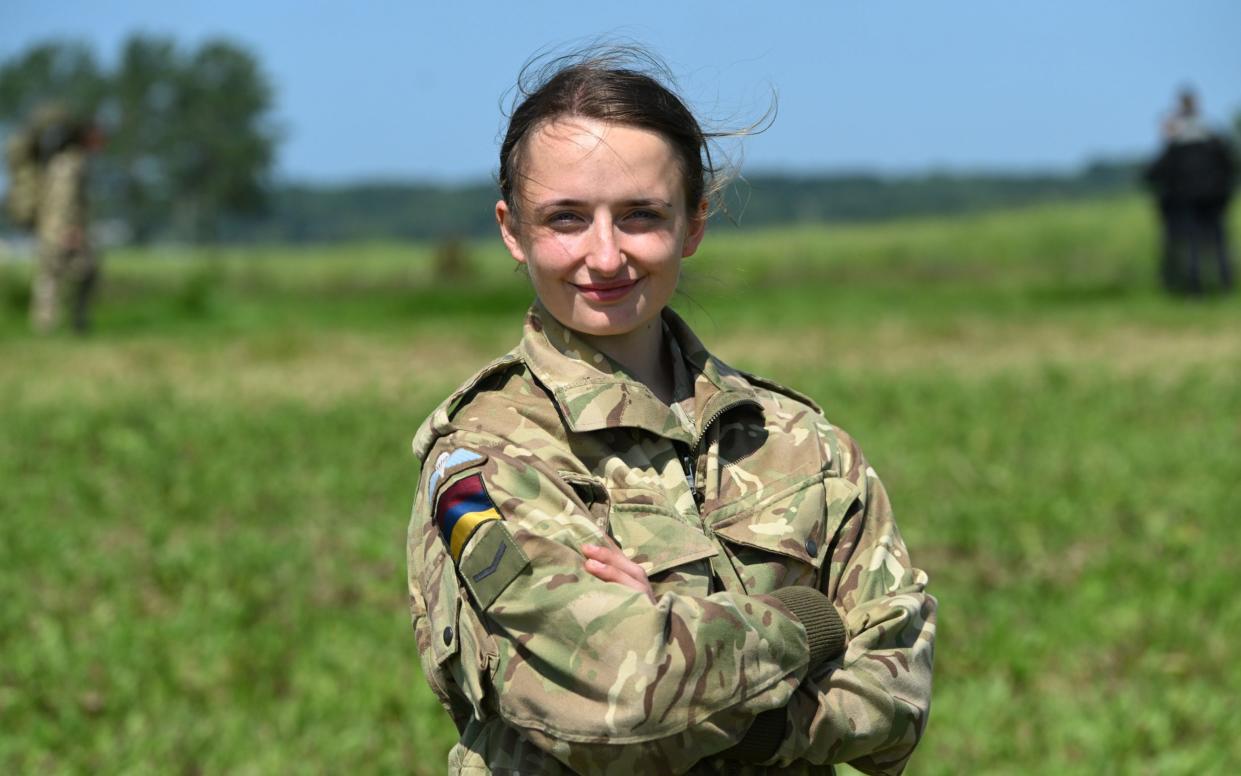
(493, 562)
(460, 510)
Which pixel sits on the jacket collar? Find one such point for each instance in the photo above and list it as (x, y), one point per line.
(594, 392)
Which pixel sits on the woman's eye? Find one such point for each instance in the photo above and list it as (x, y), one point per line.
(642, 219)
(563, 219)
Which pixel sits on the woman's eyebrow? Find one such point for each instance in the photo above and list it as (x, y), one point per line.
(564, 202)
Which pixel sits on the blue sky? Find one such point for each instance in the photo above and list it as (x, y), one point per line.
(394, 90)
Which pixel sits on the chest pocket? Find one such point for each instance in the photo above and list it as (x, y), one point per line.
(673, 552)
(783, 539)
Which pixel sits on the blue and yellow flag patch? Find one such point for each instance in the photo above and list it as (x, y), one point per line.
(460, 510)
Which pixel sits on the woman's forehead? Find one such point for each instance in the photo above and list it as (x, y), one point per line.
(575, 156)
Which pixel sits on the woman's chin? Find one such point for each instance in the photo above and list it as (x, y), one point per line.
(609, 321)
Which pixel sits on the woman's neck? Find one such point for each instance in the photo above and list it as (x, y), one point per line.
(641, 353)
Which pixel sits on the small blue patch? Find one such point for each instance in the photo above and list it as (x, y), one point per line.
(457, 459)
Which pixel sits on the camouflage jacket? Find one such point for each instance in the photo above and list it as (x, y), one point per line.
(62, 212)
(735, 489)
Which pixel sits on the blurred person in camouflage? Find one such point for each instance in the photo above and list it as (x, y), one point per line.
(66, 267)
(1193, 179)
(626, 556)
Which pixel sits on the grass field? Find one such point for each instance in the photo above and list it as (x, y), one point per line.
(203, 505)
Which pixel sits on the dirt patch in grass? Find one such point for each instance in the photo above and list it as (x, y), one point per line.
(317, 369)
(324, 367)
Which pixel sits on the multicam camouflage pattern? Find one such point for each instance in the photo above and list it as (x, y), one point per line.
(737, 488)
(65, 263)
(62, 203)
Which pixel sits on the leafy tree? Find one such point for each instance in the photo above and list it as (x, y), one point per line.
(190, 143)
(62, 71)
(143, 89)
(224, 149)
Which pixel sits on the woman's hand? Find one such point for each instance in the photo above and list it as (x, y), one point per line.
(611, 565)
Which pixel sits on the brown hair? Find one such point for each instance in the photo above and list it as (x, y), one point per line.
(620, 84)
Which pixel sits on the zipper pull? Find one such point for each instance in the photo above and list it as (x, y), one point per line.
(699, 496)
(689, 465)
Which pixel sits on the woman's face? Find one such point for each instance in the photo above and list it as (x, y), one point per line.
(603, 223)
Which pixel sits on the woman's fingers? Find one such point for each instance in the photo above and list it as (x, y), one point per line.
(611, 565)
(611, 574)
(612, 556)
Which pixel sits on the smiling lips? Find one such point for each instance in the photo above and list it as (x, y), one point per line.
(606, 292)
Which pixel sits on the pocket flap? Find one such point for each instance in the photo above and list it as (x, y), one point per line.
(658, 542)
(798, 522)
(442, 599)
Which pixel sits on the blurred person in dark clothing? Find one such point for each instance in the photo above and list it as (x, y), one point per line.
(1193, 179)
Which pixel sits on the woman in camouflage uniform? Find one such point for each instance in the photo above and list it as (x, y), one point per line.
(626, 556)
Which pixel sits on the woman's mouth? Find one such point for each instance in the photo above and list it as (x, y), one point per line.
(606, 292)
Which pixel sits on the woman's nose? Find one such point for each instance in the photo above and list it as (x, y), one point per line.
(604, 254)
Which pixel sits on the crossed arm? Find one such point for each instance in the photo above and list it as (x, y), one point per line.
(595, 670)
(869, 706)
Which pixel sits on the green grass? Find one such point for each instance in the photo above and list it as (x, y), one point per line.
(203, 505)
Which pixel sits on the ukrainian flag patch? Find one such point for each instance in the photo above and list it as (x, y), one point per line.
(460, 510)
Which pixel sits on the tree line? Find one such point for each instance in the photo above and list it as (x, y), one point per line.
(307, 214)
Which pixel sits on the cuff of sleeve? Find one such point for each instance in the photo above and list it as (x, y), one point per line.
(762, 740)
(825, 631)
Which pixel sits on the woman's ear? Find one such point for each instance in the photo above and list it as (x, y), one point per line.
(697, 228)
(507, 220)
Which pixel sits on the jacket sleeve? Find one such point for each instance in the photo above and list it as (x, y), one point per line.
(870, 706)
(596, 674)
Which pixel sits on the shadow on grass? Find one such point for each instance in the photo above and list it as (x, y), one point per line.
(1076, 294)
(208, 302)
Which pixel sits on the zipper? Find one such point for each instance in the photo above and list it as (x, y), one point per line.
(690, 456)
(714, 416)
